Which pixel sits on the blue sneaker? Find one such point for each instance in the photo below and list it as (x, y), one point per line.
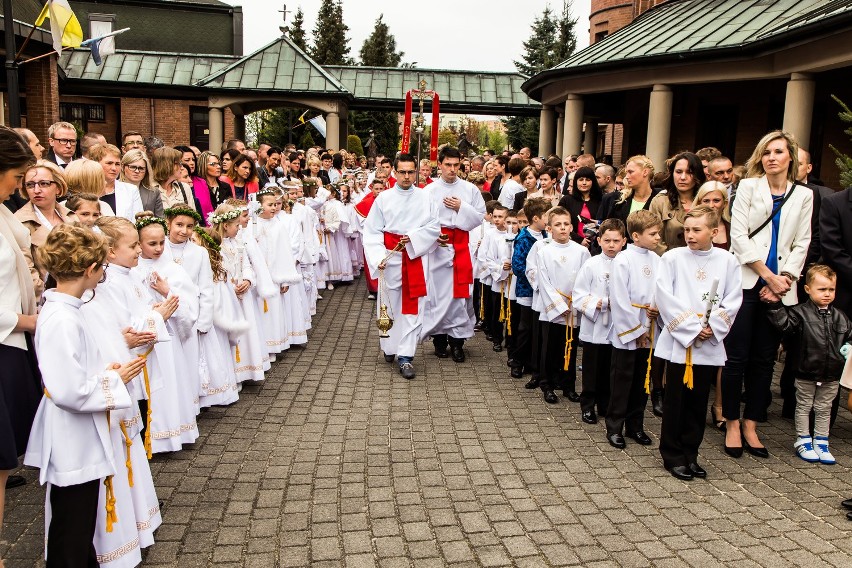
(804, 447)
(821, 447)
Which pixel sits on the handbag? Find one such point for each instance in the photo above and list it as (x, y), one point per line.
(774, 212)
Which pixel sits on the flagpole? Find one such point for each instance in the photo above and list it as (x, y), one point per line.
(43, 55)
(11, 66)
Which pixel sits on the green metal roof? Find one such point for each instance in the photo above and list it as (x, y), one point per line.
(679, 30)
(467, 87)
(139, 67)
(278, 66)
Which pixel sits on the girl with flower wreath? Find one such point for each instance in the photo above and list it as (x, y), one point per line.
(250, 356)
(336, 229)
(297, 304)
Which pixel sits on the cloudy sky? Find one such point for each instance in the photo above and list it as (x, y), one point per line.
(453, 34)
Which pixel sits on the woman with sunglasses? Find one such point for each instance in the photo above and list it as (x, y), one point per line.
(136, 170)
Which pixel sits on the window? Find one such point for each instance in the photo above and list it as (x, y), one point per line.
(100, 24)
(78, 112)
(600, 35)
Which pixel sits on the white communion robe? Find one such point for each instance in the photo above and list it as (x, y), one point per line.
(634, 275)
(262, 290)
(408, 212)
(558, 266)
(336, 221)
(444, 313)
(593, 285)
(308, 222)
(253, 357)
(297, 303)
(682, 290)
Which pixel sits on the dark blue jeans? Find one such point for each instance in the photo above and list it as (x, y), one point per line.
(751, 347)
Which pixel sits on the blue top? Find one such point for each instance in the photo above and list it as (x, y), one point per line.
(772, 259)
(523, 243)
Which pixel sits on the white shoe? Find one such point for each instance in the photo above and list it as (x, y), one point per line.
(371, 296)
(330, 286)
(821, 447)
(319, 297)
(804, 447)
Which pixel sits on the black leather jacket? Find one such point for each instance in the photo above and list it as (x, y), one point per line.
(821, 332)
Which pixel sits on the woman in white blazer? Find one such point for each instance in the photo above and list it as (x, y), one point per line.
(772, 255)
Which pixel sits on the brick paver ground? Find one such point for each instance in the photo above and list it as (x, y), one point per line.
(337, 461)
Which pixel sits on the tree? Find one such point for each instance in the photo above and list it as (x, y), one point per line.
(379, 50)
(297, 31)
(331, 44)
(353, 145)
(843, 161)
(306, 141)
(551, 42)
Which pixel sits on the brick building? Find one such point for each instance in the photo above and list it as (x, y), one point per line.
(608, 16)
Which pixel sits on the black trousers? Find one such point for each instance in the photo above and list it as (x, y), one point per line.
(441, 340)
(486, 307)
(513, 314)
(627, 398)
(477, 298)
(70, 536)
(553, 358)
(495, 326)
(684, 412)
(525, 353)
(658, 371)
(597, 359)
(751, 346)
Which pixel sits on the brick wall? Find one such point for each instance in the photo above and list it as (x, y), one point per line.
(609, 16)
(42, 92)
(170, 118)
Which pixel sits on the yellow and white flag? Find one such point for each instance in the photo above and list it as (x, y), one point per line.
(64, 25)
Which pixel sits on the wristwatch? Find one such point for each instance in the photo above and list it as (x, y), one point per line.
(789, 275)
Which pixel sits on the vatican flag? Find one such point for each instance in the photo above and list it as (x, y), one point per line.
(64, 26)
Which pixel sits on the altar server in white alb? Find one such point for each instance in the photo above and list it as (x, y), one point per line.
(699, 291)
(403, 217)
(449, 315)
(70, 438)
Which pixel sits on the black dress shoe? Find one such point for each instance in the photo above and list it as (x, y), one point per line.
(847, 503)
(406, 370)
(477, 326)
(458, 354)
(641, 437)
(589, 417)
(533, 383)
(682, 472)
(388, 358)
(657, 402)
(734, 451)
(15, 481)
(489, 337)
(849, 516)
(756, 452)
(441, 353)
(512, 363)
(616, 441)
(697, 470)
(517, 373)
(571, 395)
(497, 347)
(550, 397)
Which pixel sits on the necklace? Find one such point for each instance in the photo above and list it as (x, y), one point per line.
(701, 274)
(182, 249)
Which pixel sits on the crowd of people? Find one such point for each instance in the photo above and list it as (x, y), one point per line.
(145, 283)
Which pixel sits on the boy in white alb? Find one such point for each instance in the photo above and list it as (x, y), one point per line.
(481, 282)
(634, 315)
(699, 291)
(592, 291)
(558, 263)
(495, 264)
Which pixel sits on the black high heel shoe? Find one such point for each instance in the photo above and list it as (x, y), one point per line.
(718, 420)
(756, 452)
(733, 451)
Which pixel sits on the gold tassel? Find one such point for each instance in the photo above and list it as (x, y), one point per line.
(147, 441)
(569, 337)
(127, 442)
(111, 516)
(481, 301)
(238, 353)
(650, 355)
(502, 302)
(509, 308)
(265, 306)
(687, 374)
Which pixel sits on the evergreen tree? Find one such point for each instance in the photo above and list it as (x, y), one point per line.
(379, 50)
(297, 30)
(551, 42)
(331, 44)
(843, 161)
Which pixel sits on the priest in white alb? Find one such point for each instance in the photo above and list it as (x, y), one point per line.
(449, 316)
(400, 229)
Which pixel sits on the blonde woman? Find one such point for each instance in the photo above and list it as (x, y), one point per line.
(86, 176)
(636, 194)
(770, 234)
(136, 170)
(166, 169)
(44, 185)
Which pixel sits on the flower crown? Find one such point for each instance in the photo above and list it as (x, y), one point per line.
(207, 238)
(177, 210)
(145, 221)
(213, 219)
(266, 191)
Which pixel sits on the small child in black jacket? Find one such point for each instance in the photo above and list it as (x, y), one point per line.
(824, 334)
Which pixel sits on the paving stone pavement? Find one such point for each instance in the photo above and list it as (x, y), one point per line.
(337, 461)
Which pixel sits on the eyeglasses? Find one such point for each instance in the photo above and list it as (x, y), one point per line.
(103, 276)
(213, 164)
(65, 141)
(137, 169)
(42, 183)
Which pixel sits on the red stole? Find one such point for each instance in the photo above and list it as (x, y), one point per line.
(413, 278)
(462, 263)
(363, 207)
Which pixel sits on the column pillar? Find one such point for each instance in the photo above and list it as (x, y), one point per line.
(216, 128)
(799, 107)
(240, 127)
(332, 131)
(590, 139)
(659, 125)
(560, 133)
(546, 135)
(344, 128)
(573, 129)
